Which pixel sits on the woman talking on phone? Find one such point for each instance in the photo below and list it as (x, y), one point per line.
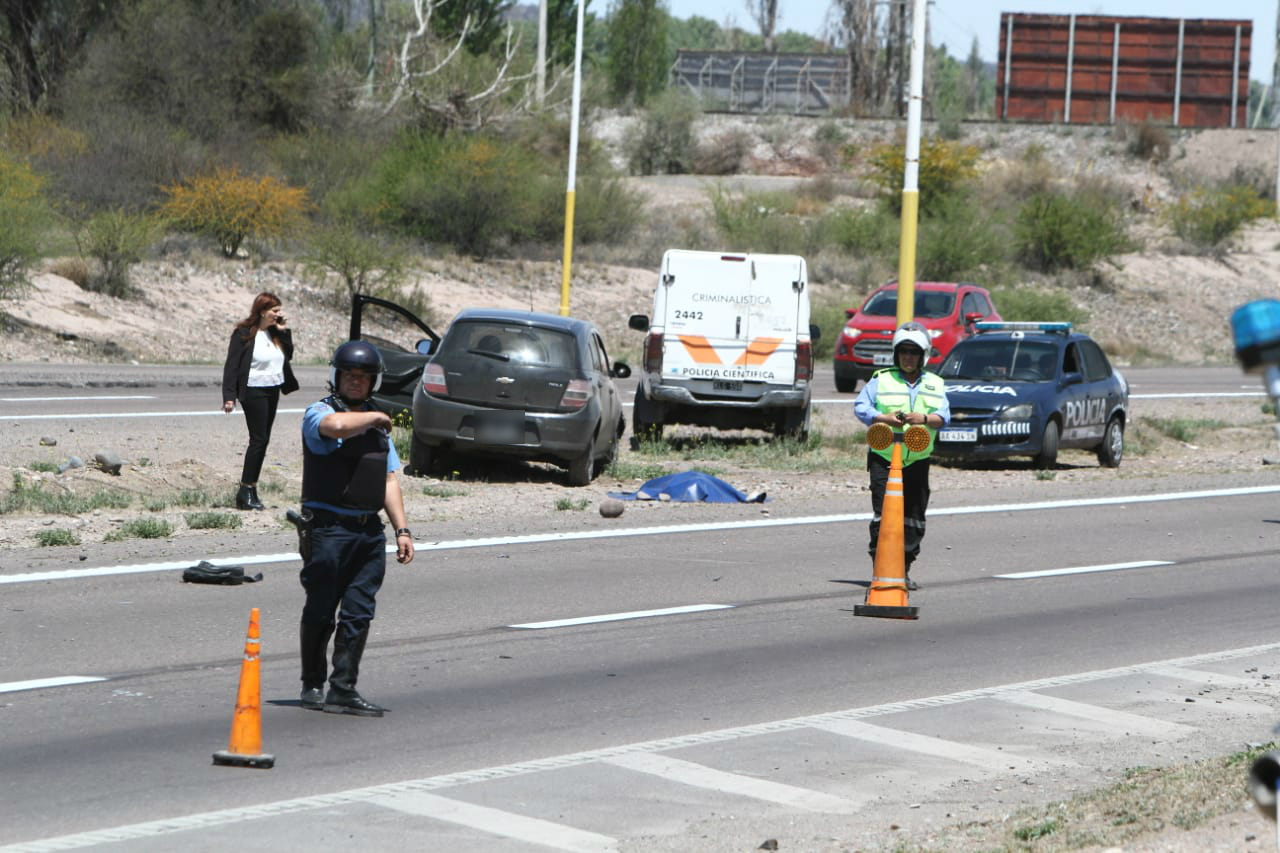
(256, 373)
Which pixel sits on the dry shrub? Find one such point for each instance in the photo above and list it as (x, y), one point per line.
(723, 154)
(72, 269)
(1149, 142)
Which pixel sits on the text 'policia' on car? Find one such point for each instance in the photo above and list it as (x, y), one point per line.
(1028, 389)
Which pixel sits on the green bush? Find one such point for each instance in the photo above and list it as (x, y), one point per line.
(750, 222)
(34, 496)
(863, 232)
(953, 244)
(1037, 303)
(363, 263)
(470, 192)
(141, 528)
(212, 520)
(663, 143)
(1055, 231)
(1208, 218)
(117, 240)
(605, 210)
(24, 216)
(56, 536)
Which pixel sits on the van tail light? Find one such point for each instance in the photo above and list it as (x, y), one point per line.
(804, 361)
(433, 381)
(576, 395)
(653, 353)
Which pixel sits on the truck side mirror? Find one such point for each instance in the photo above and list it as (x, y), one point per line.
(425, 346)
(620, 370)
(639, 322)
(814, 332)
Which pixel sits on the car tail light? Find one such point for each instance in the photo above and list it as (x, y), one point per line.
(804, 361)
(576, 395)
(433, 380)
(653, 353)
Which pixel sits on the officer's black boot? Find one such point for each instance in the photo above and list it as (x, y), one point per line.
(342, 697)
(315, 661)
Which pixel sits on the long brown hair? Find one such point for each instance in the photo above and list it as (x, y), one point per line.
(262, 303)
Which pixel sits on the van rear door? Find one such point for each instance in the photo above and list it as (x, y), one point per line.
(778, 314)
(706, 316)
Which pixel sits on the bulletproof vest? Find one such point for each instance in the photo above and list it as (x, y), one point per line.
(354, 476)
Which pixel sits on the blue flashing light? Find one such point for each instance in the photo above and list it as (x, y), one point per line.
(1015, 326)
(1256, 329)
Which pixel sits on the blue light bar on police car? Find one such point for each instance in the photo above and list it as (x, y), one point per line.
(1014, 326)
(1256, 329)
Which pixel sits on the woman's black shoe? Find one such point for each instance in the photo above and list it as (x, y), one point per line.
(247, 498)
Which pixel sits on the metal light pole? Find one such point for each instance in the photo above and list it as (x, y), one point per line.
(573, 166)
(911, 172)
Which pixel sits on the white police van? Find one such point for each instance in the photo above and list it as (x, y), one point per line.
(729, 344)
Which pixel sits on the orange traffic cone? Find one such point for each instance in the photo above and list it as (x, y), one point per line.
(887, 593)
(244, 748)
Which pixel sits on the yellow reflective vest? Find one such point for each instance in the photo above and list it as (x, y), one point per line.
(893, 394)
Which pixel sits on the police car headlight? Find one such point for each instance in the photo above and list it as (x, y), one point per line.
(1020, 412)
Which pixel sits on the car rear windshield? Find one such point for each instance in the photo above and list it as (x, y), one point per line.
(505, 342)
(929, 303)
(1005, 360)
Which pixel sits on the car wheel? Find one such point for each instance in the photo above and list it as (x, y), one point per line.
(420, 458)
(793, 424)
(1048, 455)
(581, 468)
(646, 417)
(846, 384)
(610, 457)
(1112, 447)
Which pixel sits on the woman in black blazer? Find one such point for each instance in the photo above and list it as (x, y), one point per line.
(256, 373)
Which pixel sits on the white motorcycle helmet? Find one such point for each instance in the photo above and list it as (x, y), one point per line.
(911, 332)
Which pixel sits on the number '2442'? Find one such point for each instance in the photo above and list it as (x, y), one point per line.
(688, 315)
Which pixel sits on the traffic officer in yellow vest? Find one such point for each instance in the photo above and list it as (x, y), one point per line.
(899, 396)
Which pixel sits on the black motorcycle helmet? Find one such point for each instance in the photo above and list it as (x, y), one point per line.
(356, 355)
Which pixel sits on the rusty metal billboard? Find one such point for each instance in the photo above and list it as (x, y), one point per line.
(1101, 69)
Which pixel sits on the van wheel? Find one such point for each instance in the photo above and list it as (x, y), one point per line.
(581, 468)
(793, 424)
(1112, 447)
(1048, 455)
(646, 418)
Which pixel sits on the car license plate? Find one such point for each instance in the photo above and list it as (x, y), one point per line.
(964, 434)
(726, 385)
(882, 359)
(500, 428)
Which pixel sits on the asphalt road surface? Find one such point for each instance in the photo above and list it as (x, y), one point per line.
(684, 690)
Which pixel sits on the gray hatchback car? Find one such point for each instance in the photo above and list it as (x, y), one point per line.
(519, 384)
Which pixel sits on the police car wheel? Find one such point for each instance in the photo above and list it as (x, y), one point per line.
(1048, 455)
(1112, 448)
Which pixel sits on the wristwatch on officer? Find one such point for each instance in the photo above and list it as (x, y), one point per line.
(403, 531)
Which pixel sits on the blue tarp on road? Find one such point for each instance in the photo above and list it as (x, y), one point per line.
(687, 486)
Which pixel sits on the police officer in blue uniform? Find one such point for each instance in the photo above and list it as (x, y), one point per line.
(900, 396)
(349, 470)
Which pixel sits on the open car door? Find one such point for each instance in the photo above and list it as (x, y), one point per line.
(405, 342)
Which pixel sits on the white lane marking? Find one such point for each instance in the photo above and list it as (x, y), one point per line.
(618, 617)
(1216, 679)
(208, 820)
(701, 776)
(497, 822)
(1083, 570)
(1194, 394)
(661, 530)
(990, 759)
(89, 415)
(41, 683)
(1121, 722)
(92, 397)
(142, 568)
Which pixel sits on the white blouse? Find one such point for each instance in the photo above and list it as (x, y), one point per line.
(266, 370)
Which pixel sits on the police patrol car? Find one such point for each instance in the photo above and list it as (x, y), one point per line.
(1028, 389)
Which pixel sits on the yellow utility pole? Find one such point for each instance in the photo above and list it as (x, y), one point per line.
(911, 172)
(573, 167)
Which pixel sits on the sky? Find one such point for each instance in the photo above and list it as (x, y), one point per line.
(955, 23)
